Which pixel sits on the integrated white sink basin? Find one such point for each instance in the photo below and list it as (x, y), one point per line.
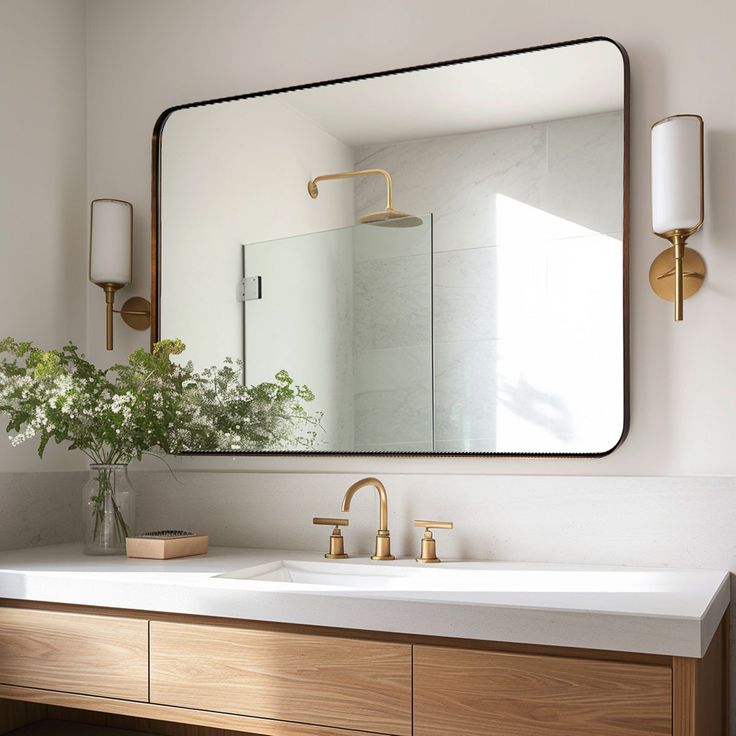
(447, 577)
(343, 575)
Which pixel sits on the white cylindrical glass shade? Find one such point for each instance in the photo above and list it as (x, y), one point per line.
(110, 242)
(677, 174)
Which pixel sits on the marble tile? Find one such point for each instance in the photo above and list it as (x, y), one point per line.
(392, 303)
(393, 396)
(425, 446)
(517, 216)
(457, 178)
(521, 301)
(560, 381)
(40, 508)
(585, 178)
(465, 381)
(567, 169)
(465, 294)
(475, 444)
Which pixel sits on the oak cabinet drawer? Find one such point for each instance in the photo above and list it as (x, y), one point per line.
(77, 653)
(460, 692)
(328, 681)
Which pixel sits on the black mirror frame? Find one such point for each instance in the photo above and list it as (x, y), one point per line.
(156, 244)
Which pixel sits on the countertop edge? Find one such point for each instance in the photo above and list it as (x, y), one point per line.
(683, 637)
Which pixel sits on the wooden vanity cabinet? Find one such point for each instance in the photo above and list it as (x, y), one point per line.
(91, 655)
(330, 681)
(467, 692)
(282, 680)
(460, 692)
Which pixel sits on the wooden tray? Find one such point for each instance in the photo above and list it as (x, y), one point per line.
(166, 548)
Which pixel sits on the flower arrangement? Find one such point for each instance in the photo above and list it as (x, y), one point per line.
(151, 404)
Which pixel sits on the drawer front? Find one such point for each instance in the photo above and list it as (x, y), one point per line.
(460, 692)
(92, 655)
(362, 685)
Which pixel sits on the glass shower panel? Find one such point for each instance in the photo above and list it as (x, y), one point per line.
(348, 313)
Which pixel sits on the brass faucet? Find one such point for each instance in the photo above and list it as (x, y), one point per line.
(383, 539)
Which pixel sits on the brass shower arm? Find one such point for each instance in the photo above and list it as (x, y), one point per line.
(314, 191)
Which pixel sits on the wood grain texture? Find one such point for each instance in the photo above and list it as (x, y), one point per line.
(462, 693)
(153, 548)
(362, 685)
(700, 689)
(14, 714)
(227, 721)
(74, 652)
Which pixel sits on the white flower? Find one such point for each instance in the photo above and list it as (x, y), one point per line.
(28, 433)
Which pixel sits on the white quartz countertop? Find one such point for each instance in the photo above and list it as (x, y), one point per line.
(649, 610)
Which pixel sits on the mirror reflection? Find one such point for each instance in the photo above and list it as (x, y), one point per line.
(437, 254)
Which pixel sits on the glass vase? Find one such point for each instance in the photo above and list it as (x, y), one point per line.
(109, 510)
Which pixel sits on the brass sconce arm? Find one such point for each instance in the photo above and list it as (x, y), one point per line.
(135, 312)
(678, 243)
(110, 290)
(681, 263)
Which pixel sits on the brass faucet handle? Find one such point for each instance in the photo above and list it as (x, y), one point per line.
(337, 541)
(432, 524)
(329, 521)
(429, 544)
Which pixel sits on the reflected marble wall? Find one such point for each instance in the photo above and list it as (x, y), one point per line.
(392, 338)
(567, 173)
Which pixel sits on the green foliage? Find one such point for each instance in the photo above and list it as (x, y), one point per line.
(149, 404)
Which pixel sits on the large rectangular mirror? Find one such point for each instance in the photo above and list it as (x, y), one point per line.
(439, 254)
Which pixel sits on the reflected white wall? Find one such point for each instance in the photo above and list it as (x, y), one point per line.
(208, 217)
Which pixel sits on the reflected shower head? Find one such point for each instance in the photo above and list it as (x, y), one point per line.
(388, 217)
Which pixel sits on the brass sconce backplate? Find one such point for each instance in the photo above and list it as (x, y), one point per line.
(136, 313)
(662, 274)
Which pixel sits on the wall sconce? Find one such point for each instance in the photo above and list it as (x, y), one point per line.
(677, 206)
(111, 261)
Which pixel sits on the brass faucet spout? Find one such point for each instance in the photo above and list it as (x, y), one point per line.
(382, 499)
(383, 542)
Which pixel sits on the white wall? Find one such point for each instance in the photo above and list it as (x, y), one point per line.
(43, 208)
(667, 522)
(144, 56)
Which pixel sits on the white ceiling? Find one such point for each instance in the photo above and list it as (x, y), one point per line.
(495, 93)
